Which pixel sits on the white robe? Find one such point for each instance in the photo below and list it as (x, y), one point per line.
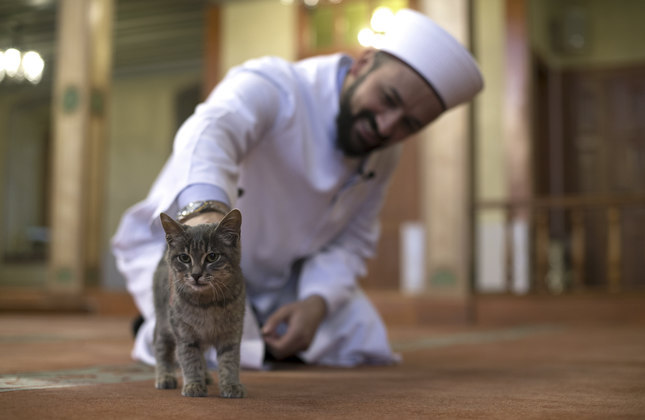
(269, 131)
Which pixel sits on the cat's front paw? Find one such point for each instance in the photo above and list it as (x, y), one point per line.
(194, 389)
(232, 391)
(166, 382)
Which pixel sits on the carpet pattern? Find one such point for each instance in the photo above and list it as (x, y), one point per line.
(24, 381)
(72, 367)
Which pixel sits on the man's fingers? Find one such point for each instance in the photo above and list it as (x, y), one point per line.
(277, 344)
(285, 345)
(291, 341)
(302, 319)
(277, 318)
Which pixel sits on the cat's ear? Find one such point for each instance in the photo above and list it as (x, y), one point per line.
(171, 227)
(229, 227)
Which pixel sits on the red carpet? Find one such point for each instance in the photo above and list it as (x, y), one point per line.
(78, 367)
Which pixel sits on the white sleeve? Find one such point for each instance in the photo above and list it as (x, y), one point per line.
(244, 107)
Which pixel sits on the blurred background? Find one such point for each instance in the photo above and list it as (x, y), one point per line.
(535, 189)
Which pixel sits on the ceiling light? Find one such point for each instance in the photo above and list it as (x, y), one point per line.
(17, 66)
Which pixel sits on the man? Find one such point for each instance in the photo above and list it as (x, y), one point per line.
(305, 150)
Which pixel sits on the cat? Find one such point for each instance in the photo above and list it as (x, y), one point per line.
(199, 297)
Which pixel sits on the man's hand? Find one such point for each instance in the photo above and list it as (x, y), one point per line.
(302, 318)
(206, 217)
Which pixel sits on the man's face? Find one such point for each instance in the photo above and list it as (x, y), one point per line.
(382, 106)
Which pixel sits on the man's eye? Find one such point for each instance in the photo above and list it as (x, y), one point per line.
(389, 100)
(184, 258)
(212, 257)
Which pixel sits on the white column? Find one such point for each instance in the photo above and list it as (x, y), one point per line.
(82, 78)
(446, 171)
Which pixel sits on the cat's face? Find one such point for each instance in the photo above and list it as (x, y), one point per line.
(205, 259)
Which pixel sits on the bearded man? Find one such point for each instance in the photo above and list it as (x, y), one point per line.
(306, 151)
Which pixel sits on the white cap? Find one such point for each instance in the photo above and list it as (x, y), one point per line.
(434, 54)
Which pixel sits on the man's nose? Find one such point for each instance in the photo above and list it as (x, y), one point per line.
(387, 122)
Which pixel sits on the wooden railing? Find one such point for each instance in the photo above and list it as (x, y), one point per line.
(578, 243)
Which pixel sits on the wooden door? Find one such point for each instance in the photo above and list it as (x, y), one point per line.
(600, 152)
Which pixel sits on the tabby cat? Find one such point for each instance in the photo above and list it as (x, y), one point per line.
(199, 299)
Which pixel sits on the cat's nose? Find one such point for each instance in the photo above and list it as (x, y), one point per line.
(196, 276)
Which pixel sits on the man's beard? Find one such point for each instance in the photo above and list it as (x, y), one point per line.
(345, 121)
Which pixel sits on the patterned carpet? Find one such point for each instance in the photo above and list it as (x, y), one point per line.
(79, 367)
(75, 377)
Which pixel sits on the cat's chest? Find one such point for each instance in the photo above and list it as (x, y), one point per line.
(204, 324)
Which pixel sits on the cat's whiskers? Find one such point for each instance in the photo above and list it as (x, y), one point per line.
(182, 286)
(212, 286)
(222, 287)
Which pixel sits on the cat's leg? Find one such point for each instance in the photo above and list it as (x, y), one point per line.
(164, 344)
(193, 367)
(228, 361)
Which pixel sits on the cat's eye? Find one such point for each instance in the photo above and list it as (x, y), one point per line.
(212, 257)
(184, 258)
